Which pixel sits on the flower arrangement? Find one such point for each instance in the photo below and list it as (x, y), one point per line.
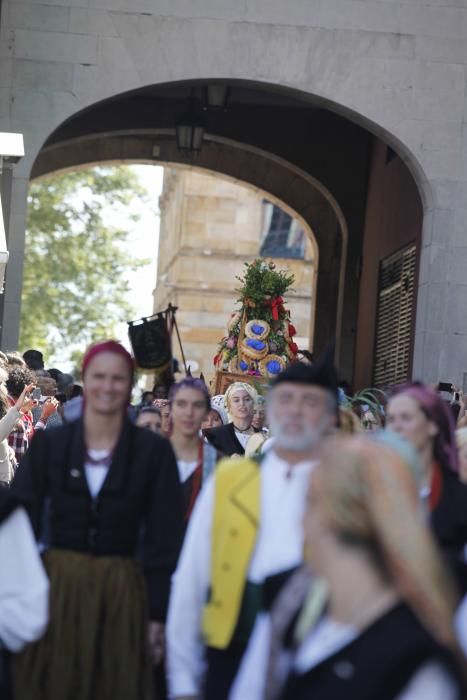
(260, 334)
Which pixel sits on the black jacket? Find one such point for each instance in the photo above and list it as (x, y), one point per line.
(8, 503)
(224, 440)
(449, 524)
(377, 665)
(138, 511)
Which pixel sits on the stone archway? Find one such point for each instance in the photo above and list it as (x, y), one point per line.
(397, 75)
(291, 187)
(288, 144)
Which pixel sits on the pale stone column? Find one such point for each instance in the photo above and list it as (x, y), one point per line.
(14, 270)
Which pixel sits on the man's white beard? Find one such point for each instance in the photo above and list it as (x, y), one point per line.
(306, 440)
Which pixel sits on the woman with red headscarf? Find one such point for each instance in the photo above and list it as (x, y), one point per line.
(420, 415)
(108, 496)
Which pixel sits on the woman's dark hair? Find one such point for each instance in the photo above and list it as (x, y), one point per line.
(191, 383)
(18, 378)
(150, 409)
(34, 359)
(76, 390)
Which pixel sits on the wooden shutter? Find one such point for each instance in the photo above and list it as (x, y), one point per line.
(396, 300)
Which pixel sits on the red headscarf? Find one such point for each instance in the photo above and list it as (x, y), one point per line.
(108, 346)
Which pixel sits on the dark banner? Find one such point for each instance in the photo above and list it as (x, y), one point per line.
(151, 343)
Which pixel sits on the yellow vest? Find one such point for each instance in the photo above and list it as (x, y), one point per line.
(234, 529)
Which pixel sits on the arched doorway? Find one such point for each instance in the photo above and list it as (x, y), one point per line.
(349, 186)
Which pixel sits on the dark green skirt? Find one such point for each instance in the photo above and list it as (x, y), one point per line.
(95, 647)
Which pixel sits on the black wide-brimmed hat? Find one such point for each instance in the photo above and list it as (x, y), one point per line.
(322, 373)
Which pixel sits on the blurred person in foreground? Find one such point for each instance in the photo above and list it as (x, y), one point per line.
(24, 587)
(422, 417)
(246, 535)
(461, 442)
(388, 627)
(114, 524)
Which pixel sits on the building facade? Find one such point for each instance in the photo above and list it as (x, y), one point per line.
(351, 112)
(210, 226)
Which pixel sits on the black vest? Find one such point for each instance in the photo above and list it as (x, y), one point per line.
(377, 665)
(449, 524)
(224, 439)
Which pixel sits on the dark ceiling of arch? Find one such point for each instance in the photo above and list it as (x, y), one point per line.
(326, 145)
(329, 147)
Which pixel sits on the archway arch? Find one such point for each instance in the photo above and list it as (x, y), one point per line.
(294, 189)
(285, 141)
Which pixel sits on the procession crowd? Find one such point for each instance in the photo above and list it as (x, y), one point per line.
(271, 543)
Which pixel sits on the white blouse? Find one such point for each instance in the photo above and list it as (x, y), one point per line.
(24, 586)
(186, 469)
(96, 473)
(243, 438)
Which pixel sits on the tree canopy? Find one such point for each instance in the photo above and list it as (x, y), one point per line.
(75, 287)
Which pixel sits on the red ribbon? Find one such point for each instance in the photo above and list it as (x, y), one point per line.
(293, 347)
(276, 305)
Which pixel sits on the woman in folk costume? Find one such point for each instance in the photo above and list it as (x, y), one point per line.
(109, 497)
(388, 628)
(231, 439)
(196, 459)
(420, 415)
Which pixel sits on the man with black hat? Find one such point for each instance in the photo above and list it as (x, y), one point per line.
(246, 529)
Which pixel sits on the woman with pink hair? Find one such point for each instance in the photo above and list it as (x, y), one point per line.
(422, 417)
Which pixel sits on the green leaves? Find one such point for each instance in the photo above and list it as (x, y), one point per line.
(261, 280)
(74, 288)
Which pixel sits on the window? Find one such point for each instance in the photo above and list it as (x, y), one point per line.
(282, 236)
(394, 322)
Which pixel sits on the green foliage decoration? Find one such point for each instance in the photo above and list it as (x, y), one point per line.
(261, 297)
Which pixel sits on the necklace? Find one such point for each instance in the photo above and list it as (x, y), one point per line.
(239, 430)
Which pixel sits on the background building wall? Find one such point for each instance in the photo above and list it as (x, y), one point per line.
(393, 221)
(210, 227)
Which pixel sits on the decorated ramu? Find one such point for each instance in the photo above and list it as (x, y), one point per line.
(260, 335)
